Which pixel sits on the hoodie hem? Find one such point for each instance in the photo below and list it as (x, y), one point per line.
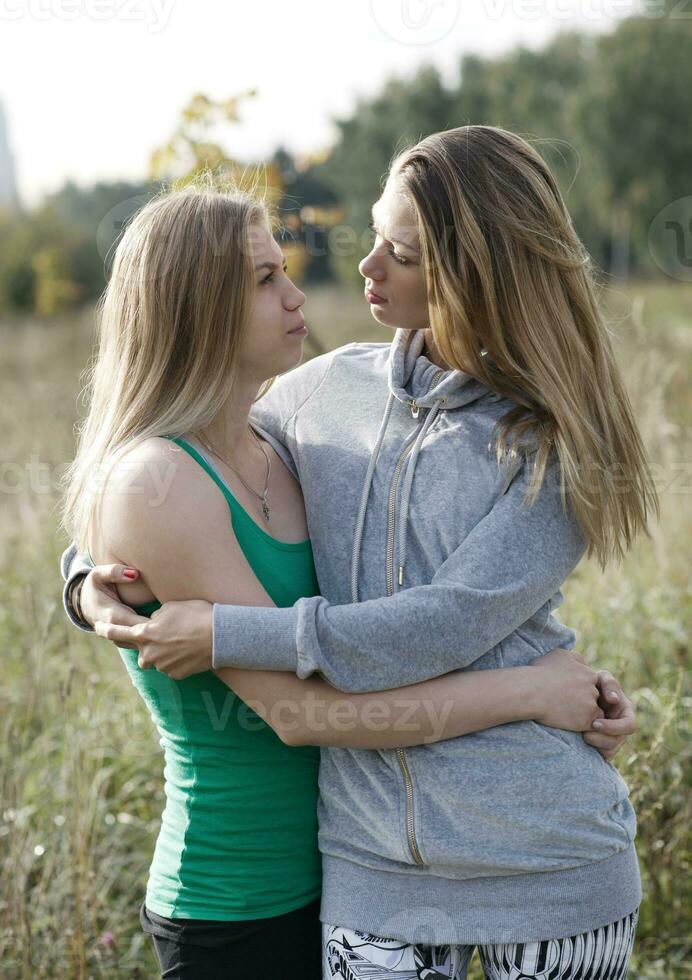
(501, 909)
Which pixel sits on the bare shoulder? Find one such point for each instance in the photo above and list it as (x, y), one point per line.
(156, 487)
(165, 516)
(155, 468)
(144, 465)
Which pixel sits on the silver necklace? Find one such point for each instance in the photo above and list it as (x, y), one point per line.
(262, 497)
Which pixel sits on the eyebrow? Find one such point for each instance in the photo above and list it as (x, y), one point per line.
(271, 265)
(376, 227)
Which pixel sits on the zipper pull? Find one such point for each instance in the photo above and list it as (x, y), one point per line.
(401, 574)
(415, 410)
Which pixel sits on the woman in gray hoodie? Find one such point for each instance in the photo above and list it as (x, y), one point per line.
(452, 482)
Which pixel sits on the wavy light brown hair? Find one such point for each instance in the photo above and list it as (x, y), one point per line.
(170, 326)
(506, 274)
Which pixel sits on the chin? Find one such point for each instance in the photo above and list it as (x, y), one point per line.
(384, 320)
(293, 360)
(387, 322)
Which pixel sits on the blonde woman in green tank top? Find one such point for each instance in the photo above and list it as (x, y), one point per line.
(198, 316)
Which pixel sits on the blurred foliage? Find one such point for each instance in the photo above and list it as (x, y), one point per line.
(191, 148)
(52, 258)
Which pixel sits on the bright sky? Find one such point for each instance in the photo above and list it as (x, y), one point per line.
(90, 87)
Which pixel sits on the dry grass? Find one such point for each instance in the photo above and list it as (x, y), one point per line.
(81, 771)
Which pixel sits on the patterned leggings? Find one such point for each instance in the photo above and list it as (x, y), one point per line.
(602, 954)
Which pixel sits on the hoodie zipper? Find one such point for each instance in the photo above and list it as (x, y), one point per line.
(391, 517)
(391, 525)
(391, 507)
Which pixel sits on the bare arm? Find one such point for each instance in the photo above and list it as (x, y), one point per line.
(559, 692)
(311, 711)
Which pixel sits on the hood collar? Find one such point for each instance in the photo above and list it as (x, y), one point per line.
(410, 376)
(411, 373)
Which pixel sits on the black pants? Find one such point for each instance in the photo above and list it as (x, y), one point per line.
(282, 947)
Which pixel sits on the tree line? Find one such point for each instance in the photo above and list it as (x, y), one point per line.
(610, 113)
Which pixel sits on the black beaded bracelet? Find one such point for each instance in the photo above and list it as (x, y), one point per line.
(75, 596)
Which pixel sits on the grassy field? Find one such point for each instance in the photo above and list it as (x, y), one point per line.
(81, 768)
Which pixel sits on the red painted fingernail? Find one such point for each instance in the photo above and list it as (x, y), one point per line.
(130, 573)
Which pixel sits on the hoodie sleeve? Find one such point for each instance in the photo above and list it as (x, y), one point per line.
(509, 566)
(73, 566)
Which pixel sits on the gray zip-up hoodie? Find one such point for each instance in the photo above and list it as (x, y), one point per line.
(428, 562)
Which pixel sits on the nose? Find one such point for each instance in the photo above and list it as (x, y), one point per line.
(295, 298)
(371, 267)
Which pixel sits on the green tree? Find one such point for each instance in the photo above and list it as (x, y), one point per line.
(399, 116)
(635, 114)
(537, 95)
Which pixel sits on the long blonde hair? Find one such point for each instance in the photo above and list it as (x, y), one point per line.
(170, 326)
(507, 275)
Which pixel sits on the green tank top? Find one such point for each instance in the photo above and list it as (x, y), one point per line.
(238, 837)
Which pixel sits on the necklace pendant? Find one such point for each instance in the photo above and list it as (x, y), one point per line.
(265, 510)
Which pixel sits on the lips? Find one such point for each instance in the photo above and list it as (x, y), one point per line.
(374, 298)
(300, 329)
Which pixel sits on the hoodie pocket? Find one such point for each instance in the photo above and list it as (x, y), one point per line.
(517, 798)
(585, 755)
(589, 758)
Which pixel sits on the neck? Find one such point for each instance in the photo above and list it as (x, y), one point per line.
(432, 353)
(229, 433)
